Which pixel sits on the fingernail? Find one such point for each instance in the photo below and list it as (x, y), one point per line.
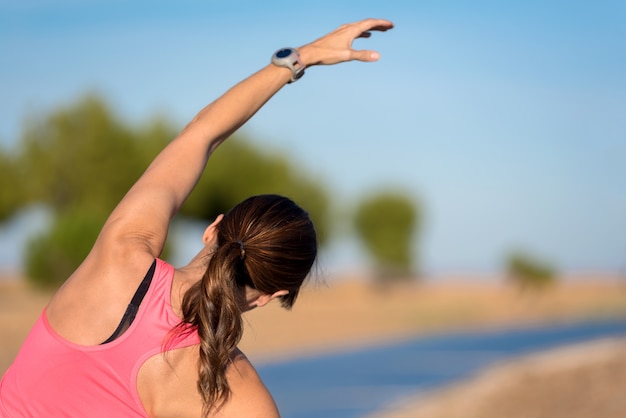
(375, 55)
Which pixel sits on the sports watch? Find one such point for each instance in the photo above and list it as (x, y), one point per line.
(289, 58)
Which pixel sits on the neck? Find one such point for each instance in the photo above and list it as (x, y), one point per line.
(195, 269)
(187, 276)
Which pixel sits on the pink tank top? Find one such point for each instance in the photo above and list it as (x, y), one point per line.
(52, 377)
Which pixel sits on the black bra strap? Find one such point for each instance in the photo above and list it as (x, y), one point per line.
(133, 307)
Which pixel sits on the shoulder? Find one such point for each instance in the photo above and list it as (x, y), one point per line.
(167, 387)
(88, 307)
(249, 395)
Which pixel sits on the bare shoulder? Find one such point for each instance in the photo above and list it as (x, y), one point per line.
(90, 304)
(249, 396)
(168, 387)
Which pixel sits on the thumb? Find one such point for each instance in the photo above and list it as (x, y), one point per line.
(366, 55)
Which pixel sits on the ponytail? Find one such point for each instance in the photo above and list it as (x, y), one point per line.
(212, 305)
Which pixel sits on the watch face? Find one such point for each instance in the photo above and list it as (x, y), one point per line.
(283, 53)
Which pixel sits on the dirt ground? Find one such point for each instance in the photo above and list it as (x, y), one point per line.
(347, 313)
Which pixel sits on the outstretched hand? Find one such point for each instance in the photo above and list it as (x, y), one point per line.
(336, 46)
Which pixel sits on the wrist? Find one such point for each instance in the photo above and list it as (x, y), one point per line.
(307, 55)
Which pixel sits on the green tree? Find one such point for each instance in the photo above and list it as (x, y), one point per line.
(51, 257)
(80, 160)
(82, 156)
(386, 223)
(11, 194)
(528, 272)
(238, 170)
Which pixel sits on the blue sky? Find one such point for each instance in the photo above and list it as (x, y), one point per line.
(504, 119)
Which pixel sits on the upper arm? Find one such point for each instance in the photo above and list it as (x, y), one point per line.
(249, 396)
(141, 220)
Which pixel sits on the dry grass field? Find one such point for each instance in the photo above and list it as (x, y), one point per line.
(19, 308)
(345, 313)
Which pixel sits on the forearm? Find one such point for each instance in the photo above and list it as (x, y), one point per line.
(213, 124)
(189, 152)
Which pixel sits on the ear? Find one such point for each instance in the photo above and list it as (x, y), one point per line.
(211, 231)
(264, 299)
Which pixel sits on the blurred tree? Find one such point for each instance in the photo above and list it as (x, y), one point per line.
(52, 256)
(11, 194)
(529, 273)
(386, 223)
(81, 160)
(82, 156)
(238, 170)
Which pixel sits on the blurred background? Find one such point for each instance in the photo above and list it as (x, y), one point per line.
(480, 163)
(503, 123)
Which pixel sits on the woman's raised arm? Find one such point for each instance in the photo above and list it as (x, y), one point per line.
(141, 220)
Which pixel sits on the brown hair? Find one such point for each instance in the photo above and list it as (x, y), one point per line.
(266, 242)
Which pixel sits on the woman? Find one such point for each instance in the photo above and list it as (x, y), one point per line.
(173, 350)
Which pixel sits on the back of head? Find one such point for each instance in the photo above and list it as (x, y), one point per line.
(266, 242)
(276, 242)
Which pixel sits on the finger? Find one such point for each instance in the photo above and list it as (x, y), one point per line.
(382, 28)
(364, 35)
(365, 55)
(373, 24)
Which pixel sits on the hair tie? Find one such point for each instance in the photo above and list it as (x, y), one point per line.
(242, 247)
